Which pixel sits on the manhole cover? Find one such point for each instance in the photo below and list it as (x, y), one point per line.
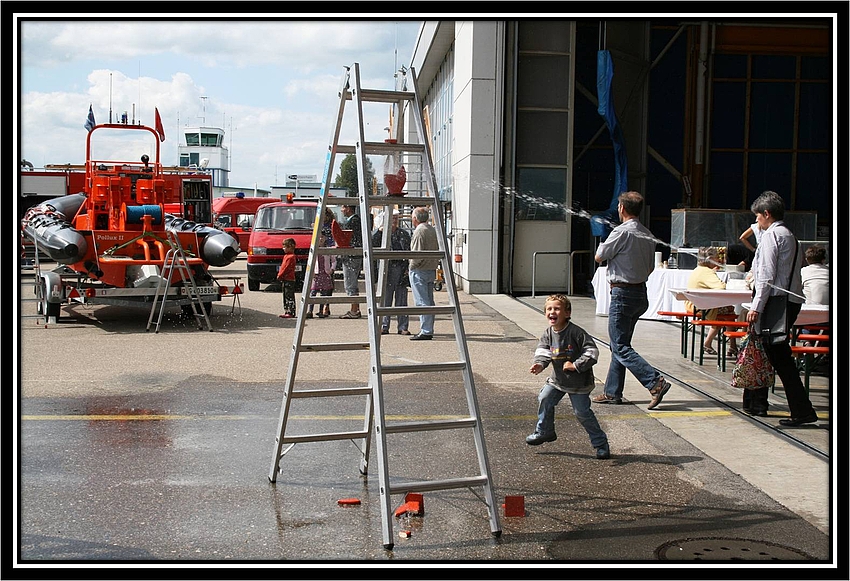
(724, 549)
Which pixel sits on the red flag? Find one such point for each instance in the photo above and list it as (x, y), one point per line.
(158, 122)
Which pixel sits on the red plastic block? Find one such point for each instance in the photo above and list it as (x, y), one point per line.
(416, 497)
(412, 508)
(514, 506)
(348, 501)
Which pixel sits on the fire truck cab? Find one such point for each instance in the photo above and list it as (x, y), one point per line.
(273, 222)
(235, 215)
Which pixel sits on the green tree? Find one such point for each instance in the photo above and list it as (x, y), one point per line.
(347, 176)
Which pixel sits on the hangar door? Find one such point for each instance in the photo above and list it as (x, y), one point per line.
(539, 141)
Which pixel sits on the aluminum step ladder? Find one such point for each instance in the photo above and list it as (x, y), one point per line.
(466, 423)
(44, 311)
(175, 260)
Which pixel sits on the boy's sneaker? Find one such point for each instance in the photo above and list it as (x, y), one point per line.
(537, 438)
(658, 392)
(603, 453)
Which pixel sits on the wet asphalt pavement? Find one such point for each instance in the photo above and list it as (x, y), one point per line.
(156, 448)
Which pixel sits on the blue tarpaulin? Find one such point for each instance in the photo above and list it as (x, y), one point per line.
(599, 225)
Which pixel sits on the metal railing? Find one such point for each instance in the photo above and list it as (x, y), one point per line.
(570, 263)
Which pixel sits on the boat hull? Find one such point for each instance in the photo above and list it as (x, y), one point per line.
(48, 226)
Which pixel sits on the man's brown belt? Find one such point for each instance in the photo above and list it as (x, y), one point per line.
(625, 284)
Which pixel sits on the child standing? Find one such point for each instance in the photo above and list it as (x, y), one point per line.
(572, 353)
(323, 279)
(286, 274)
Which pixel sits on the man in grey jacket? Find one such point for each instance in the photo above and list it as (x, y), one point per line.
(423, 271)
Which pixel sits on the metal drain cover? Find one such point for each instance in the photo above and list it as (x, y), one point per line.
(725, 549)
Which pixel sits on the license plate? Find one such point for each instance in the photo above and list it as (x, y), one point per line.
(202, 290)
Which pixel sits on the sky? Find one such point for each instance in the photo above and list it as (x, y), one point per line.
(272, 84)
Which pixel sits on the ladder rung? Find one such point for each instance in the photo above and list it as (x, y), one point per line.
(403, 200)
(323, 437)
(414, 310)
(379, 148)
(340, 200)
(426, 426)
(423, 367)
(334, 346)
(379, 254)
(428, 485)
(334, 299)
(381, 96)
(331, 392)
(339, 251)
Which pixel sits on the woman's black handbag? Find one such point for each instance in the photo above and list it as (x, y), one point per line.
(773, 321)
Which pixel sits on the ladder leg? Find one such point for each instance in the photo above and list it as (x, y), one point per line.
(368, 426)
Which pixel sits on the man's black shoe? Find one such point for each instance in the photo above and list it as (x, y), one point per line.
(537, 438)
(603, 453)
(420, 337)
(792, 422)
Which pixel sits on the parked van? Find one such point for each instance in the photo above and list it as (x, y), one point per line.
(289, 218)
(235, 215)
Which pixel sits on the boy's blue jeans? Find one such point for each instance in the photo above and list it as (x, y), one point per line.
(549, 398)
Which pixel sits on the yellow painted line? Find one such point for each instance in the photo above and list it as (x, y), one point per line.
(166, 417)
(126, 417)
(705, 414)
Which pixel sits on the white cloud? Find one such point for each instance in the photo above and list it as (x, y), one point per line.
(272, 85)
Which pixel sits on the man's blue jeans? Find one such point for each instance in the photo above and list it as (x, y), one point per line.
(550, 396)
(422, 285)
(627, 305)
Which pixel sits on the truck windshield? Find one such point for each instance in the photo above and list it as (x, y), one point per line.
(285, 218)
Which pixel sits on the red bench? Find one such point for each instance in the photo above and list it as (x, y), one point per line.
(684, 317)
(721, 324)
(808, 358)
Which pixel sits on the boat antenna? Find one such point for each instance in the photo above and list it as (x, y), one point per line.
(110, 97)
(140, 97)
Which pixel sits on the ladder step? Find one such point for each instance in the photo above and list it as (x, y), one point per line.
(381, 96)
(339, 251)
(428, 485)
(315, 347)
(381, 148)
(424, 367)
(379, 254)
(414, 310)
(402, 200)
(334, 299)
(426, 426)
(331, 200)
(324, 437)
(331, 392)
